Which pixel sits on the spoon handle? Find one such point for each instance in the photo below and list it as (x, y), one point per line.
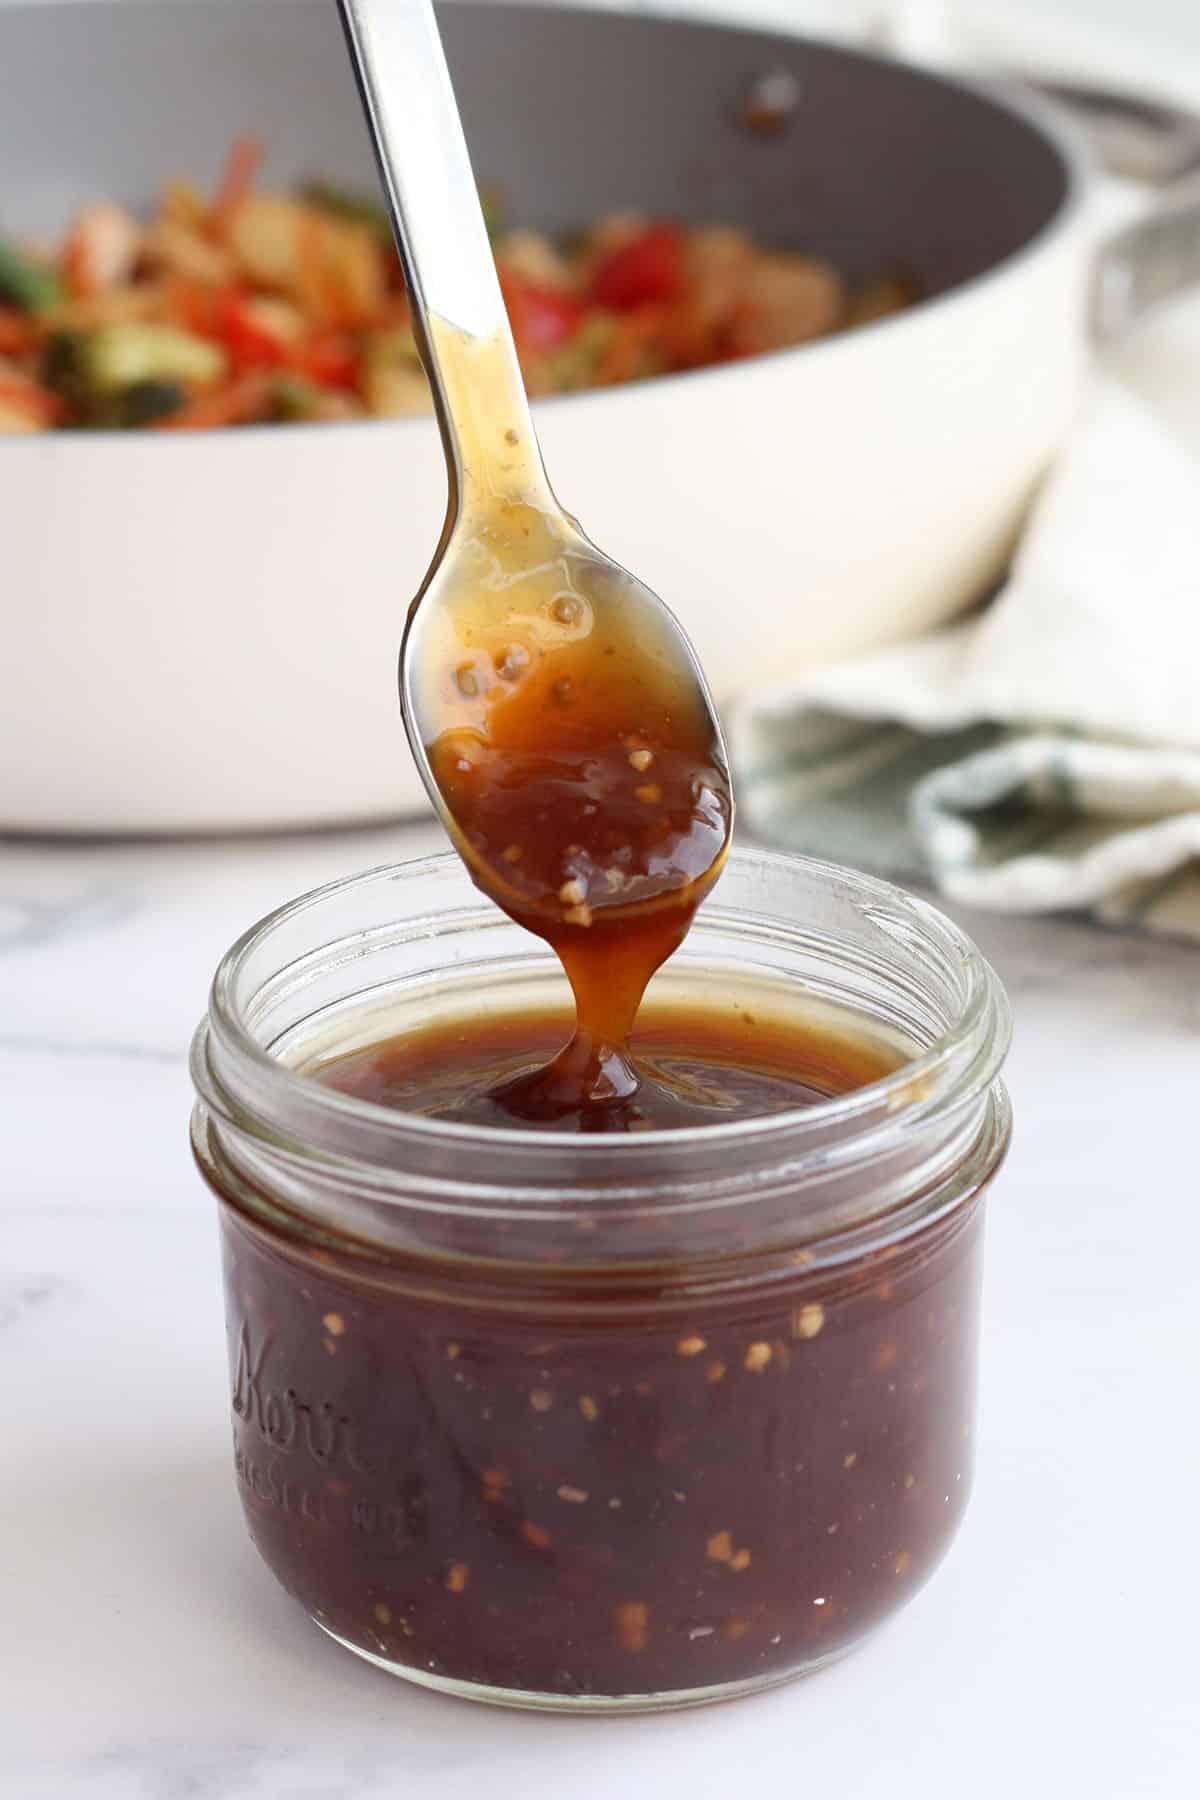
(459, 317)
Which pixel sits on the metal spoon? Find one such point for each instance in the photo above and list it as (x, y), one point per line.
(511, 566)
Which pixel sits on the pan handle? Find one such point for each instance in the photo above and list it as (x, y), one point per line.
(1151, 260)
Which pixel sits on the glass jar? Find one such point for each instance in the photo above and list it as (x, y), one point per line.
(595, 1423)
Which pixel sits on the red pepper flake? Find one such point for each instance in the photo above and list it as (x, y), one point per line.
(536, 1535)
(719, 1547)
(495, 1481)
(646, 270)
(456, 1577)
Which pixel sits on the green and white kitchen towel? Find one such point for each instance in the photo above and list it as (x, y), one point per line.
(1045, 754)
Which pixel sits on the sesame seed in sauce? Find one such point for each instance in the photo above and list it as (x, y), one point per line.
(808, 1320)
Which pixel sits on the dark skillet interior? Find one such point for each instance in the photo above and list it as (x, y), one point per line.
(570, 114)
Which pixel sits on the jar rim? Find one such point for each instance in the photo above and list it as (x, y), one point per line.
(983, 1014)
(858, 1168)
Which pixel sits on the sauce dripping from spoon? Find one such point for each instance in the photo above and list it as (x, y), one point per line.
(572, 748)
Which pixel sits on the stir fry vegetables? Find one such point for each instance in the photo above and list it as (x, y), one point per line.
(246, 306)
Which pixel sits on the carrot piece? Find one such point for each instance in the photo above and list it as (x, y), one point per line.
(28, 397)
(76, 268)
(192, 306)
(19, 332)
(238, 177)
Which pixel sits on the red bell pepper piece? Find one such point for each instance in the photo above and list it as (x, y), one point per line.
(250, 346)
(647, 270)
(542, 318)
(328, 358)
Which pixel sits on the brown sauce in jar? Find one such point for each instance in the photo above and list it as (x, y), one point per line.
(604, 1485)
(694, 1066)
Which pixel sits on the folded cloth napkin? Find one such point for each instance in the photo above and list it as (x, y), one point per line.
(1045, 754)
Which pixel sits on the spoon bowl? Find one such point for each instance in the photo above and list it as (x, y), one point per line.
(530, 645)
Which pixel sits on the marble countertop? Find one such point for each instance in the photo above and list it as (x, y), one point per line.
(146, 1655)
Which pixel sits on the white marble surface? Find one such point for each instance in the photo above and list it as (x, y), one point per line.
(146, 1655)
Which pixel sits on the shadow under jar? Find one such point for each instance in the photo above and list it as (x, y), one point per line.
(593, 1422)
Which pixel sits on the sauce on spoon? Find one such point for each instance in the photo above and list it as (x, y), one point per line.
(572, 744)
